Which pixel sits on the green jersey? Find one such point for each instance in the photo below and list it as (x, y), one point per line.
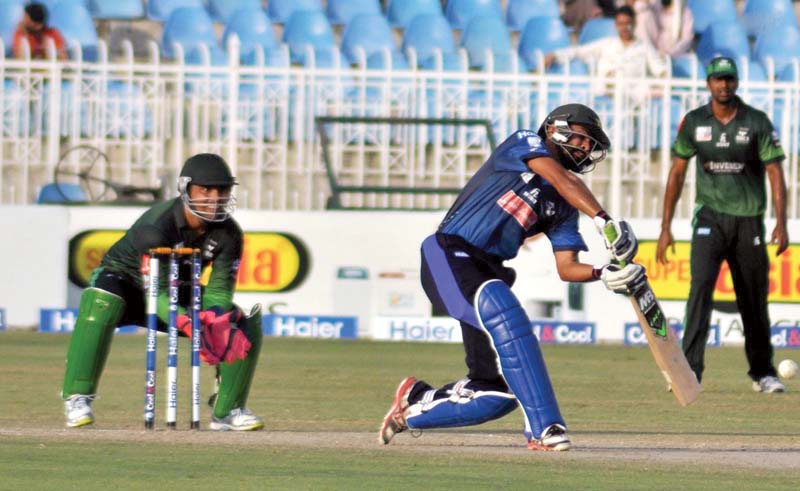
(221, 244)
(731, 158)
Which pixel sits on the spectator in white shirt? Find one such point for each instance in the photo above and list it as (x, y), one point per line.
(623, 55)
(668, 25)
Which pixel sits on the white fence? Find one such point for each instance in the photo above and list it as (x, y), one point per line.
(149, 115)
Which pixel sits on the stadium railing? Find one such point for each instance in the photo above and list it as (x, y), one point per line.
(149, 114)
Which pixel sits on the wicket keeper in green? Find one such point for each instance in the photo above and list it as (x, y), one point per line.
(200, 218)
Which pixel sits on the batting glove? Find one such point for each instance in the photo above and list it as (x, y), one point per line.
(624, 248)
(623, 280)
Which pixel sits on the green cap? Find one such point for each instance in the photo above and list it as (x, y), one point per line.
(722, 66)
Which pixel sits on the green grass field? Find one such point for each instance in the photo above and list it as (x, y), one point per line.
(323, 401)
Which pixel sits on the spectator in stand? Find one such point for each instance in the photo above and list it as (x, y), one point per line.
(33, 27)
(668, 25)
(624, 54)
(577, 12)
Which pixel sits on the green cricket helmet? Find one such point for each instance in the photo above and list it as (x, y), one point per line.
(208, 170)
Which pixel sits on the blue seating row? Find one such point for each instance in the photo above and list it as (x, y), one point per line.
(426, 26)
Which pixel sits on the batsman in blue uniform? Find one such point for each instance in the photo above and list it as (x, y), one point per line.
(529, 185)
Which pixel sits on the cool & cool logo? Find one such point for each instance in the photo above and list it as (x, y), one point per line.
(565, 333)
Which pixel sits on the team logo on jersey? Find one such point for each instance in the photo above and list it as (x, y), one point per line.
(776, 141)
(515, 206)
(527, 176)
(723, 141)
(534, 142)
(210, 246)
(743, 135)
(702, 133)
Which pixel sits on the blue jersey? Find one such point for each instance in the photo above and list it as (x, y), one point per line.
(505, 203)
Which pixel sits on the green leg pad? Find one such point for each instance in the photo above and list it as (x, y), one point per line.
(235, 378)
(99, 313)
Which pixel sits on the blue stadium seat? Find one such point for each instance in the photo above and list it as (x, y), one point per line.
(281, 10)
(519, 12)
(706, 12)
(760, 15)
(371, 32)
(62, 193)
(460, 12)
(116, 9)
(685, 66)
(401, 12)
(10, 15)
(428, 34)
(310, 28)
(543, 34)
(191, 27)
(597, 28)
(341, 11)
(488, 34)
(723, 39)
(160, 10)
(76, 25)
(223, 10)
(782, 44)
(254, 29)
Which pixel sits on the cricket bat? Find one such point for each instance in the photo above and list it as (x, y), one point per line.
(662, 340)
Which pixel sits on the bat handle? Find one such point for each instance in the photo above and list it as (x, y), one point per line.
(610, 232)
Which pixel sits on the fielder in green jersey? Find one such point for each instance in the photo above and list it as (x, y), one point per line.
(736, 150)
(200, 218)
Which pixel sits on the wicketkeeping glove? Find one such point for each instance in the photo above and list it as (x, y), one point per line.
(624, 248)
(221, 340)
(623, 280)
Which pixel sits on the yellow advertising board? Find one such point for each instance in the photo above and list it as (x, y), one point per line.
(271, 261)
(671, 281)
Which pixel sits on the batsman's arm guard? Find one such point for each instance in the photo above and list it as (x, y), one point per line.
(520, 359)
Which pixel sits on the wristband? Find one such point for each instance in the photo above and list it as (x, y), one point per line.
(602, 214)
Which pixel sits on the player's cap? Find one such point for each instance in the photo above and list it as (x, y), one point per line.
(722, 66)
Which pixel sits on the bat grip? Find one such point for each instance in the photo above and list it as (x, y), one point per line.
(610, 233)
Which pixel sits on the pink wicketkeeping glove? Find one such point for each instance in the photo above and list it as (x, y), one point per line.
(184, 321)
(221, 341)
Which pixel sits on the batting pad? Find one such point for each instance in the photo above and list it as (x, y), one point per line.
(519, 357)
(462, 408)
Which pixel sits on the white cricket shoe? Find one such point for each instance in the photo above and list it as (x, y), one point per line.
(78, 411)
(768, 385)
(554, 438)
(240, 419)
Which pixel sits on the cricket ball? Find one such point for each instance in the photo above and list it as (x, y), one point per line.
(787, 369)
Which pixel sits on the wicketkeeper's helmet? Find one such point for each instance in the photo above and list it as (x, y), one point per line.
(211, 170)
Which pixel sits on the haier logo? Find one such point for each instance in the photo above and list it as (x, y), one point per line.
(785, 337)
(634, 336)
(310, 326)
(421, 329)
(565, 333)
(63, 320)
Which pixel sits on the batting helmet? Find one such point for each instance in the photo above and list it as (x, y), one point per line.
(560, 118)
(210, 170)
